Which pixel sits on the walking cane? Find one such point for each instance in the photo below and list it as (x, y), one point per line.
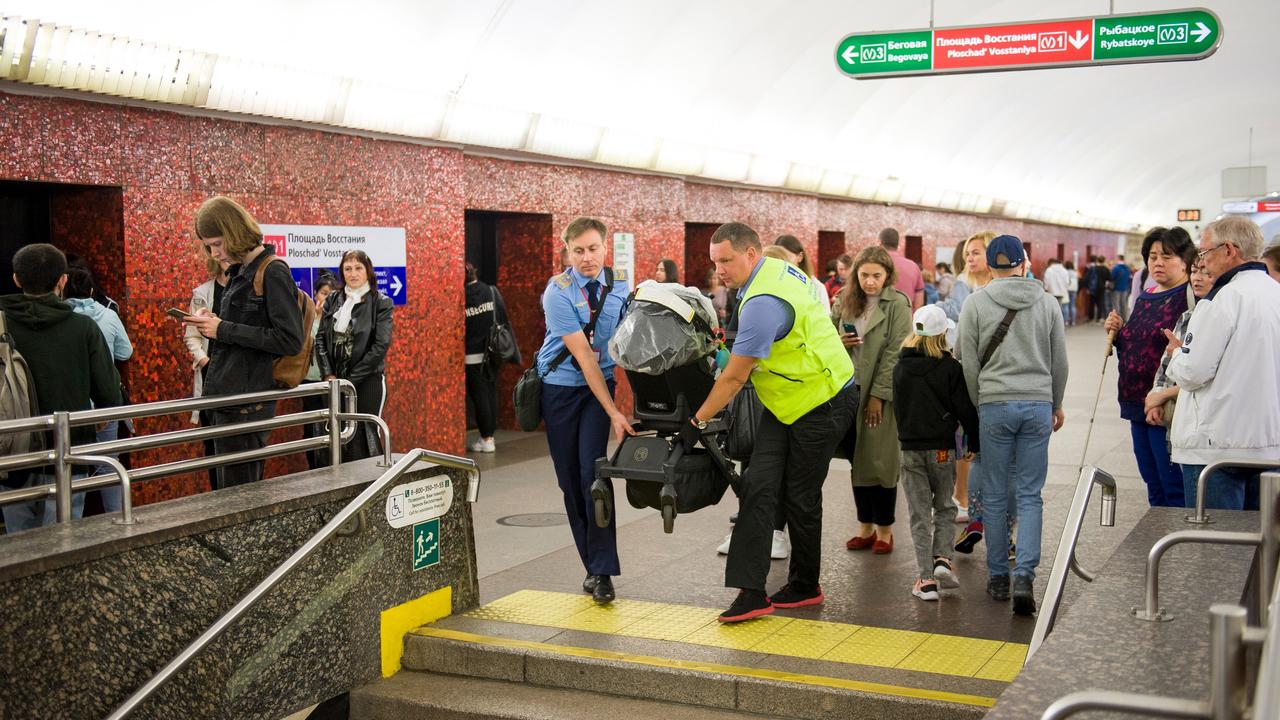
(1111, 338)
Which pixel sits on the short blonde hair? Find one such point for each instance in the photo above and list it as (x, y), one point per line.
(935, 346)
(225, 218)
(583, 225)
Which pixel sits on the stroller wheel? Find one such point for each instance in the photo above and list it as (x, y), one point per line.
(668, 518)
(602, 513)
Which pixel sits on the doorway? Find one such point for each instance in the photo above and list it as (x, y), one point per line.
(697, 252)
(517, 253)
(84, 221)
(830, 246)
(914, 249)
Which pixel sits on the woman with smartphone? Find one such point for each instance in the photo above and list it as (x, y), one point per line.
(206, 296)
(873, 319)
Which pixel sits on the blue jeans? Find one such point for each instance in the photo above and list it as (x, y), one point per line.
(1015, 435)
(111, 501)
(1229, 489)
(1071, 304)
(1066, 312)
(30, 515)
(1163, 479)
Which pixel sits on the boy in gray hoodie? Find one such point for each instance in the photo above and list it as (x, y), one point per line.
(1013, 349)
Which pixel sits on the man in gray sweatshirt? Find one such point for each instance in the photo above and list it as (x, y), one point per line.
(1016, 378)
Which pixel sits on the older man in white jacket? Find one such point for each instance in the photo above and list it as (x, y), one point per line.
(1228, 370)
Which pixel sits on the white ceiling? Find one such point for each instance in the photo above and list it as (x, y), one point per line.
(1129, 142)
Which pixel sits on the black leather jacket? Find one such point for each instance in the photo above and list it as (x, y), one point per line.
(255, 329)
(370, 330)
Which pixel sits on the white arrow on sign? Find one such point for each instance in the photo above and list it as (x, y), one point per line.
(396, 285)
(1201, 32)
(1078, 40)
(849, 54)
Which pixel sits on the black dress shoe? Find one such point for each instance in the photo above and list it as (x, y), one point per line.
(603, 592)
(589, 585)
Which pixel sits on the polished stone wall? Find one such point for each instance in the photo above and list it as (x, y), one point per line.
(91, 611)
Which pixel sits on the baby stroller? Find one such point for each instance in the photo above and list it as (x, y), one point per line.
(666, 344)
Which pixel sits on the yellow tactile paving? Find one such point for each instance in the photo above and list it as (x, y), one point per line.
(773, 634)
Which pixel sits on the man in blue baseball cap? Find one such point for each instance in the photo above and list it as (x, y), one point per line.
(1014, 353)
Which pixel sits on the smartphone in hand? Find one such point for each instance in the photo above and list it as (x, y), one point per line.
(851, 329)
(177, 314)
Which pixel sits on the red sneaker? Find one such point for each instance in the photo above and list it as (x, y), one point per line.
(746, 606)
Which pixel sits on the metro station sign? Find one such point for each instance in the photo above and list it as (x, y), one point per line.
(1191, 34)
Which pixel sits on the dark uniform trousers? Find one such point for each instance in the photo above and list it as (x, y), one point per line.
(578, 433)
(788, 465)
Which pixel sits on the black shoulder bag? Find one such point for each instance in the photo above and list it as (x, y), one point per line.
(527, 396)
(501, 347)
(997, 338)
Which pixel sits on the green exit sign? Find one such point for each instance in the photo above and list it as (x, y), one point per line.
(1191, 34)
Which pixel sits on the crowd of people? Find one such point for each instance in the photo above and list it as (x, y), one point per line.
(239, 326)
(949, 382)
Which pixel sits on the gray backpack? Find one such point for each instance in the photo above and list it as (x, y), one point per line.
(17, 397)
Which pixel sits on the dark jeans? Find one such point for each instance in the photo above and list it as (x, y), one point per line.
(1227, 489)
(875, 504)
(242, 473)
(788, 466)
(1163, 478)
(577, 434)
(482, 390)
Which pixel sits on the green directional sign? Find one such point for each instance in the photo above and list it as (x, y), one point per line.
(425, 547)
(1159, 35)
(1190, 34)
(885, 53)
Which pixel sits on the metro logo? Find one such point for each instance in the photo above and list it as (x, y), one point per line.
(276, 241)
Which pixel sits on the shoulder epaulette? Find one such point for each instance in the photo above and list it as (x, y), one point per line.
(563, 280)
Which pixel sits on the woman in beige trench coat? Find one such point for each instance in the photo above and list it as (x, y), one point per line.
(873, 318)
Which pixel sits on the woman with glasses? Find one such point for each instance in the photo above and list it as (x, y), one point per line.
(1140, 343)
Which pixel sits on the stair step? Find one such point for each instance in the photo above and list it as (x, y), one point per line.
(703, 687)
(428, 696)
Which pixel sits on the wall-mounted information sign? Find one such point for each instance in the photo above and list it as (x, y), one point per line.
(309, 249)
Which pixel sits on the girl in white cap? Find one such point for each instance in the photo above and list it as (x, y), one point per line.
(930, 401)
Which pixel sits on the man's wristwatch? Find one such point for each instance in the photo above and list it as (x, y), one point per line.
(700, 424)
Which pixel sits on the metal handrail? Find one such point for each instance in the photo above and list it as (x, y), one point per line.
(341, 416)
(1202, 483)
(1153, 612)
(1066, 558)
(393, 473)
(1135, 703)
(1266, 698)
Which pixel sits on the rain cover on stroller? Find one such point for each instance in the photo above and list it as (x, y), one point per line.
(667, 326)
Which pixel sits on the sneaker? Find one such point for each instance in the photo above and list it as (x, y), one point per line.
(998, 588)
(945, 574)
(970, 536)
(748, 605)
(925, 590)
(880, 547)
(781, 546)
(724, 546)
(860, 543)
(1024, 598)
(788, 597)
(962, 514)
(484, 446)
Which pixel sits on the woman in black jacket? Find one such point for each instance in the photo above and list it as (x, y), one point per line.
(352, 344)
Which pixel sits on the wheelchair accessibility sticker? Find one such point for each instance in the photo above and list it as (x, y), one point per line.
(426, 544)
(417, 501)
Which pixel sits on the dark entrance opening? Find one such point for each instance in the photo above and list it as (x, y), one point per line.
(1062, 252)
(913, 249)
(517, 253)
(830, 246)
(84, 221)
(697, 252)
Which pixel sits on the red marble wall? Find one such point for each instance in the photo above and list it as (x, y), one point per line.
(162, 165)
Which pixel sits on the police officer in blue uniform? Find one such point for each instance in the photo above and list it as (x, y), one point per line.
(577, 395)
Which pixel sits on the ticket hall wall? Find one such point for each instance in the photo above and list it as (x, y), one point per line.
(129, 180)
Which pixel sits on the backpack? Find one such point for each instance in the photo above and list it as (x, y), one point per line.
(17, 397)
(289, 370)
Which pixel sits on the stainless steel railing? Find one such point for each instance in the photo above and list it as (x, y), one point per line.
(1066, 558)
(1231, 640)
(340, 415)
(1199, 517)
(393, 473)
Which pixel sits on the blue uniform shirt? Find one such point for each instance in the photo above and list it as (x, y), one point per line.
(564, 305)
(762, 323)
